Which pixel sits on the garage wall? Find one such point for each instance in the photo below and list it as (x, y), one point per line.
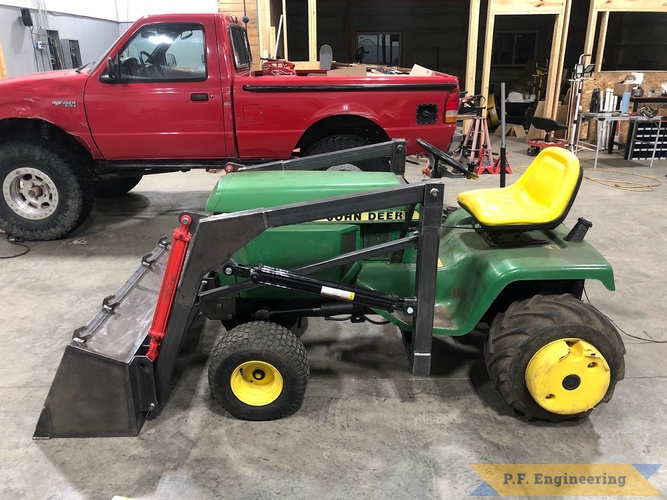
(94, 36)
(95, 24)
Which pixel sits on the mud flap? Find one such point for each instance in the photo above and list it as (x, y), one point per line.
(105, 385)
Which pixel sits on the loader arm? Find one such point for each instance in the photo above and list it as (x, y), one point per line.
(103, 392)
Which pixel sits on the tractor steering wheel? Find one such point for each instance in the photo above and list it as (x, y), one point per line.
(438, 154)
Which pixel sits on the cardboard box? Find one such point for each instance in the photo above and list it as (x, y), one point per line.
(418, 70)
(357, 70)
(619, 88)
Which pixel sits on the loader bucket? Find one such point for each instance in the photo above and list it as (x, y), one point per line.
(105, 384)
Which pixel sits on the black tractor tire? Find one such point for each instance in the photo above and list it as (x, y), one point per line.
(45, 193)
(347, 141)
(526, 327)
(280, 370)
(344, 167)
(112, 188)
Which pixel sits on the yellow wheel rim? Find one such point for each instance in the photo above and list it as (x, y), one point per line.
(568, 376)
(256, 383)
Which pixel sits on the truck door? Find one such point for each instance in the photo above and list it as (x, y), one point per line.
(168, 100)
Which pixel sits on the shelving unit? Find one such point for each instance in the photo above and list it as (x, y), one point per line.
(645, 138)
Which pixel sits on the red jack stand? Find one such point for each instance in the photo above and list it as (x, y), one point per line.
(488, 166)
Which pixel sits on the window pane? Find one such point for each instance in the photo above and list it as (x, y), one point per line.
(241, 47)
(168, 52)
(379, 48)
(526, 44)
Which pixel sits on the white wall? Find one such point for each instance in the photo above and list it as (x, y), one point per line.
(99, 9)
(131, 10)
(117, 10)
(94, 36)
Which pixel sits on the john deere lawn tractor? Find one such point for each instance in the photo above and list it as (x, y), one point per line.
(280, 243)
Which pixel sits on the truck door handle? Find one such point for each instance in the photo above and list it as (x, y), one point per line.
(199, 97)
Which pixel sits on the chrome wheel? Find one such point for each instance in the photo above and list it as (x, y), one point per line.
(30, 193)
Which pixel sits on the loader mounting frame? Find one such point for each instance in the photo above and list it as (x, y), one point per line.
(112, 396)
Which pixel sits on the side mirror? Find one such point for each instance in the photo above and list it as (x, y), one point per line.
(112, 74)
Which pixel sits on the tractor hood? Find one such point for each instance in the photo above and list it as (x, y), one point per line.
(248, 190)
(32, 95)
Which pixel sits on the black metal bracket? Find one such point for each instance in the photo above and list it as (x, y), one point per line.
(394, 150)
(216, 238)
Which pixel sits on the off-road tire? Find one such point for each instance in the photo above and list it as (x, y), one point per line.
(112, 188)
(347, 141)
(71, 178)
(528, 325)
(269, 343)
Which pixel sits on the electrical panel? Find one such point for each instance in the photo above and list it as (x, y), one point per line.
(71, 53)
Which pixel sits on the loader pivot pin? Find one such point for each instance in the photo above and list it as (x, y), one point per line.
(172, 274)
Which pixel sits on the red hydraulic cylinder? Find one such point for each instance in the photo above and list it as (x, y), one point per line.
(172, 274)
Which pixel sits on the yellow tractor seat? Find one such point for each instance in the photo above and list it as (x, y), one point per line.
(540, 199)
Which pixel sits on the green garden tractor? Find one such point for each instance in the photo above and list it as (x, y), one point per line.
(280, 243)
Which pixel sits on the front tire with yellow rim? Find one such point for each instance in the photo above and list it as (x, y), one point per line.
(554, 357)
(259, 371)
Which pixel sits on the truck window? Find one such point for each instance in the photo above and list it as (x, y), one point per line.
(240, 47)
(165, 52)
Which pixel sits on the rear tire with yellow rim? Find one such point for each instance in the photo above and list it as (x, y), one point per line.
(554, 357)
(259, 371)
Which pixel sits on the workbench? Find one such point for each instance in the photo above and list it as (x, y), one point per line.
(605, 121)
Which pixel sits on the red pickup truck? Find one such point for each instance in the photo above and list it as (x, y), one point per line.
(177, 92)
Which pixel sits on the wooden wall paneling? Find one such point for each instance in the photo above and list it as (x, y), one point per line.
(555, 101)
(560, 8)
(473, 36)
(312, 30)
(285, 47)
(551, 94)
(607, 6)
(590, 30)
(518, 7)
(264, 28)
(3, 67)
(488, 49)
(602, 38)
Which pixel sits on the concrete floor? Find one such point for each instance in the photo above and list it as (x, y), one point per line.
(368, 428)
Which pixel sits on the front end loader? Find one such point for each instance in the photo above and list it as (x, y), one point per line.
(279, 243)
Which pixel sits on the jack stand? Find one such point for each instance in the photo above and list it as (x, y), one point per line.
(477, 140)
(491, 168)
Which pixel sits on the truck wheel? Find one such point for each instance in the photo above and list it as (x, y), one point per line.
(554, 357)
(259, 371)
(111, 188)
(45, 195)
(346, 141)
